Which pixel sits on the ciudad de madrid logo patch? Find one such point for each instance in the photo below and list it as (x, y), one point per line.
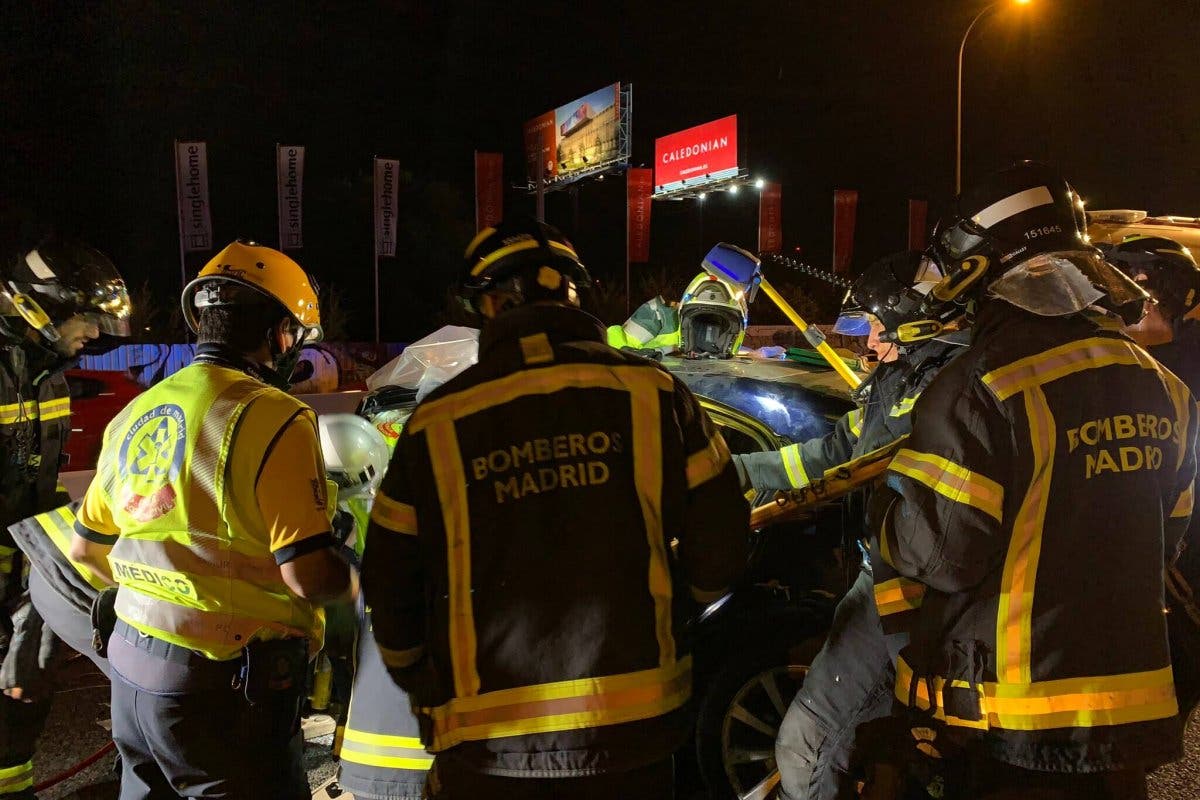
(150, 460)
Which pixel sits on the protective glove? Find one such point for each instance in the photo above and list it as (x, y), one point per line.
(25, 674)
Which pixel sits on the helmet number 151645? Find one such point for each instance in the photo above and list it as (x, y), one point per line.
(1045, 230)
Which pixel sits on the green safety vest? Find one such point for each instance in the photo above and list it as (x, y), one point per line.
(194, 570)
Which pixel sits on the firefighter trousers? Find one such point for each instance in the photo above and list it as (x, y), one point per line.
(850, 683)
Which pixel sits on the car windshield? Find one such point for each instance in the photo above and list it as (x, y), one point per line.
(794, 401)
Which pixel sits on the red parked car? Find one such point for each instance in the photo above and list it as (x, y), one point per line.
(96, 397)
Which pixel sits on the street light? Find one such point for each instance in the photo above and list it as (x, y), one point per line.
(958, 113)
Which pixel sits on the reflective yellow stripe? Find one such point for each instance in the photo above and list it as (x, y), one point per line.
(496, 255)
(399, 659)
(1183, 506)
(903, 407)
(394, 515)
(647, 476)
(562, 706)
(383, 750)
(59, 525)
(18, 412)
(1066, 703)
(855, 421)
(951, 480)
(708, 463)
(452, 494)
(546, 380)
(16, 779)
(32, 409)
(897, 595)
(53, 409)
(1014, 620)
(1184, 404)
(1065, 360)
(793, 464)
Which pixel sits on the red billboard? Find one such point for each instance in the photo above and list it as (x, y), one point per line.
(576, 137)
(705, 152)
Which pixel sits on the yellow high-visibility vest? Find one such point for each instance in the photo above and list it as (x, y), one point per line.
(193, 569)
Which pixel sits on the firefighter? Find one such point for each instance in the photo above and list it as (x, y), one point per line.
(1049, 469)
(850, 680)
(378, 743)
(709, 321)
(654, 325)
(1167, 270)
(54, 299)
(520, 568)
(210, 505)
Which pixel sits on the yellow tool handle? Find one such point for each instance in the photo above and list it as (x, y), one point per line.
(815, 339)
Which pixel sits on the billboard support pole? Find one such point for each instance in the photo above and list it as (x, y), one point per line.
(179, 217)
(541, 187)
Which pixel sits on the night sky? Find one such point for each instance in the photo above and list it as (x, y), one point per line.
(851, 94)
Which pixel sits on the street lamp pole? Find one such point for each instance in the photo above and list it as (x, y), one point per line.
(958, 111)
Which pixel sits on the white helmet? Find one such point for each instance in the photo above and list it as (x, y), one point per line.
(356, 454)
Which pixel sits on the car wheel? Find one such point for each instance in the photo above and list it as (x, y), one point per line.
(742, 710)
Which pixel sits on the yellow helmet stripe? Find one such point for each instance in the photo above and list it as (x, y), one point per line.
(478, 240)
(531, 244)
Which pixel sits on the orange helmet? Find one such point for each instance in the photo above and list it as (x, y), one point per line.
(264, 270)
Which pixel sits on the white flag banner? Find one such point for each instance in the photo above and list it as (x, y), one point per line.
(191, 184)
(289, 172)
(387, 202)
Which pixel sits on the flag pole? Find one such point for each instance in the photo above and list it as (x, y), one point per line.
(375, 237)
(179, 216)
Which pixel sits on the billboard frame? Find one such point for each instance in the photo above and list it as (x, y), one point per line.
(699, 187)
(611, 166)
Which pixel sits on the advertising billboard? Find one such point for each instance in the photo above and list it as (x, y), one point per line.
(697, 155)
(581, 135)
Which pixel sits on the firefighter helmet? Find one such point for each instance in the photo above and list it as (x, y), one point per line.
(59, 280)
(1162, 266)
(893, 290)
(522, 261)
(713, 315)
(1028, 217)
(356, 453)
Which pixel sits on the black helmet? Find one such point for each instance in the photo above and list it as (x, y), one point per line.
(1009, 219)
(893, 290)
(528, 260)
(1013, 215)
(1165, 268)
(56, 281)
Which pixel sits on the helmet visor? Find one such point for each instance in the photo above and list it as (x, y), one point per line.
(853, 323)
(107, 323)
(959, 240)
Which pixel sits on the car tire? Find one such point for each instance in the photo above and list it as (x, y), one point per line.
(743, 705)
